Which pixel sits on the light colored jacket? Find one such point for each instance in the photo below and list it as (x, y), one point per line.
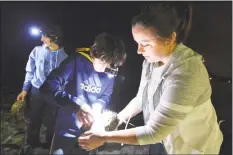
(176, 104)
(40, 63)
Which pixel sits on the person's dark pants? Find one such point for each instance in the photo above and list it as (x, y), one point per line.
(64, 145)
(37, 108)
(157, 149)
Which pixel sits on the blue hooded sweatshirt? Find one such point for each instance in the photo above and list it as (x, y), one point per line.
(40, 63)
(72, 84)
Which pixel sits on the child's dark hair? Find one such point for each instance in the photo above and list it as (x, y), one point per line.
(109, 49)
(53, 32)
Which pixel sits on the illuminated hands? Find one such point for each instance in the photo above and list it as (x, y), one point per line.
(88, 115)
(97, 122)
(103, 121)
(91, 140)
(85, 116)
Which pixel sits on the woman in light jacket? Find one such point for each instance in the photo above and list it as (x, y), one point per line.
(174, 92)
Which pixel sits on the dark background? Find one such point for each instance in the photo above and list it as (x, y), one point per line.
(211, 36)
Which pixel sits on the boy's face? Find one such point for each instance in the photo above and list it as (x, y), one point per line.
(99, 65)
(46, 41)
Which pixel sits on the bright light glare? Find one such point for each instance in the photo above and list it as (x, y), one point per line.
(35, 31)
(97, 125)
(97, 107)
(110, 75)
(101, 121)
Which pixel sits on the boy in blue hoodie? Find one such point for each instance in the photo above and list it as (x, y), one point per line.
(42, 60)
(82, 82)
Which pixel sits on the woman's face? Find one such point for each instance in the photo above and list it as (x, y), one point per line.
(148, 45)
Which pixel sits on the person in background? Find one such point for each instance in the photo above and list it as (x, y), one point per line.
(174, 92)
(42, 60)
(82, 86)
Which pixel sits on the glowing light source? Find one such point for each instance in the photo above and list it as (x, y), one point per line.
(97, 108)
(110, 75)
(105, 121)
(34, 31)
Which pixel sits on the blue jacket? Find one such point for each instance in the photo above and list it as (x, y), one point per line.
(73, 83)
(40, 63)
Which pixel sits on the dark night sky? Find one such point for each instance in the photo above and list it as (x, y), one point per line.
(211, 35)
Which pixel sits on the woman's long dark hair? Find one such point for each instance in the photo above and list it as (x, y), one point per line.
(166, 18)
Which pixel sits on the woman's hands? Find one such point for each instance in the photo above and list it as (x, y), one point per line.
(91, 140)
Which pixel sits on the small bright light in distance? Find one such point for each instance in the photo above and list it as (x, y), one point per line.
(35, 31)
